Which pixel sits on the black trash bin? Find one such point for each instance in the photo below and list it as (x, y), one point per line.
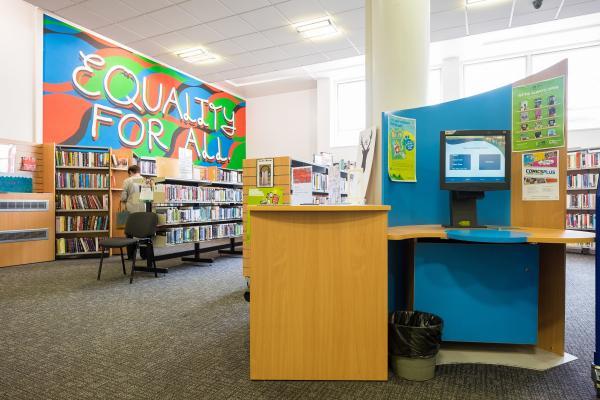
(414, 341)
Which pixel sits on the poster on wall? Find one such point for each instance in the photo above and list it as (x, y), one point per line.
(540, 176)
(264, 172)
(402, 149)
(538, 115)
(97, 93)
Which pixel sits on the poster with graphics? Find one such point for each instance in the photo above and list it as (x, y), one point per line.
(538, 115)
(402, 149)
(97, 93)
(540, 176)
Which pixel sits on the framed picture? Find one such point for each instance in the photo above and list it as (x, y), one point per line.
(264, 172)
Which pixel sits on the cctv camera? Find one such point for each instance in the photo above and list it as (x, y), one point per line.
(537, 3)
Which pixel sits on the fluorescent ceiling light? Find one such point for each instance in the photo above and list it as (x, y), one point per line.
(316, 27)
(197, 55)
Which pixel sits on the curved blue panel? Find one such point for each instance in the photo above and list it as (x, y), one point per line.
(423, 202)
(488, 235)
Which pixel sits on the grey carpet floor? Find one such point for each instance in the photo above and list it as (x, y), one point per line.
(64, 335)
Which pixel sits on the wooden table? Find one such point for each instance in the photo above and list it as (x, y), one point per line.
(318, 309)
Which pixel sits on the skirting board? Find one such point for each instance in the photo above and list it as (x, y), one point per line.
(519, 356)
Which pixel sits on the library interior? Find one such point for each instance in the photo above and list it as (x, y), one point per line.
(291, 199)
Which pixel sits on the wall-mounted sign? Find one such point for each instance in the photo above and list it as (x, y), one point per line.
(402, 149)
(97, 93)
(540, 176)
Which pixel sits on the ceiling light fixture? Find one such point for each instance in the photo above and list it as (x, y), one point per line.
(197, 55)
(316, 27)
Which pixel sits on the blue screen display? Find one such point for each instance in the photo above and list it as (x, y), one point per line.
(475, 159)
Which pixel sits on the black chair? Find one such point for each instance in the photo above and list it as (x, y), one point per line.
(139, 229)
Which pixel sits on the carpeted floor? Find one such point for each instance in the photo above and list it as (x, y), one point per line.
(64, 335)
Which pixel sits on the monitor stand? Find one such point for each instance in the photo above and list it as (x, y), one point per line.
(463, 209)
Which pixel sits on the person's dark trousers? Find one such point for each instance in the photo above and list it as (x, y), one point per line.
(130, 250)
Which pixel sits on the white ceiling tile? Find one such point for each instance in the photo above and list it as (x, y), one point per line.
(283, 64)
(213, 78)
(268, 55)
(148, 47)
(331, 43)
(447, 19)
(277, 1)
(446, 5)
(448, 33)
(244, 59)
(231, 27)
(349, 20)
(487, 26)
(119, 33)
(299, 49)
(337, 6)
(310, 59)
(357, 37)
(525, 7)
(588, 7)
(206, 10)
(301, 10)
(344, 53)
(174, 41)
(201, 34)
(81, 16)
(283, 35)
(240, 6)
(249, 71)
(532, 18)
(51, 5)
(173, 60)
(225, 47)
(174, 16)
(147, 5)
(265, 18)
(253, 41)
(211, 67)
(112, 10)
(490, 12)
(146, 26)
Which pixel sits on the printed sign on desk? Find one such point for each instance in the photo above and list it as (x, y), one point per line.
(402, 149)
(538, 113)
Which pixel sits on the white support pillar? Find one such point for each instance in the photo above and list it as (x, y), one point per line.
(451, 78)
(397, 65)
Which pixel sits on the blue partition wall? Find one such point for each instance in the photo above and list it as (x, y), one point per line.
(481, 296)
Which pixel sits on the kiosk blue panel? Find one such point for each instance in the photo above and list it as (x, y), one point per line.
(422, 202)
(481, 298)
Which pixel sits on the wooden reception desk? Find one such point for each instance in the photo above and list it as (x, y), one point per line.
(318, 309)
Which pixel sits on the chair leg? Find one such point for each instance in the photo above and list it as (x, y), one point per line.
(101, 259)
(133, 264)
(123, 261)
(151, 251)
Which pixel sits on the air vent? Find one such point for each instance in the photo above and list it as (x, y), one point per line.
(23, 205)
(25, 235)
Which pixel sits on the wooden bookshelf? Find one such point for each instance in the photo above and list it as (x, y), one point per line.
(90, 166)
(583, 167)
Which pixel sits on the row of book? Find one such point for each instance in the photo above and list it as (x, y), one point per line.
(81, 223)
(78, 180)
(216, 174)
(583, 159)
(226, 175)
(96, 159)
(582, 201)
(199, 233)
(175, 193)
(581, 221)
(582, 181)
(81, 202)
(147, 167)
(319, 182)
(78, 245)
(197, 214)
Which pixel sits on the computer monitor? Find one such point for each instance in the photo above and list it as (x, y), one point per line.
(472, 162)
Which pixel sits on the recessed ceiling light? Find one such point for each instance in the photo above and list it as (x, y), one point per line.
(197, 55)
(316, 27)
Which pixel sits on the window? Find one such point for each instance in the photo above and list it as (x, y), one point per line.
(583, 83)
(7, 158)
(349, 107)
(434, 86)
(483, 76)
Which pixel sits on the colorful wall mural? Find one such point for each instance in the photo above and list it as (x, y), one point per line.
(97, 93)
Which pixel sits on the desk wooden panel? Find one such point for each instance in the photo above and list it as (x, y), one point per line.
(318, 308)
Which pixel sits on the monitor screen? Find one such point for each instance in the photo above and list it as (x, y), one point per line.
(473, 158)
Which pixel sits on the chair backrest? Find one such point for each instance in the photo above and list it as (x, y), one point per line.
(141, 224)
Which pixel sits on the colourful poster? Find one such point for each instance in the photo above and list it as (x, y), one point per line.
(402, 149)
(540, 176)
(262, 196)
(97, 93)
(538, 115)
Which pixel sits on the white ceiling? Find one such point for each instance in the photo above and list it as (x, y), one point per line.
(255, 37)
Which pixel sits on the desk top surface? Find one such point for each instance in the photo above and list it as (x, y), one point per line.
(317, 208)
(533, 235)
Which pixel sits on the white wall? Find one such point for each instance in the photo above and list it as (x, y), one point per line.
(282, 125)
(20, 26)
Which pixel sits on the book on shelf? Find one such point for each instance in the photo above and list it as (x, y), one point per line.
(81, 202)
(581, 201)
(581, 221)
(201, 233)
(119, 162)
(79, 180)
(81, 223)
(182, 193)
(583, 159)
(175, 215)
(80, 158)
(147, 166)
(77, 245)
(319, 182)
(582, 181)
